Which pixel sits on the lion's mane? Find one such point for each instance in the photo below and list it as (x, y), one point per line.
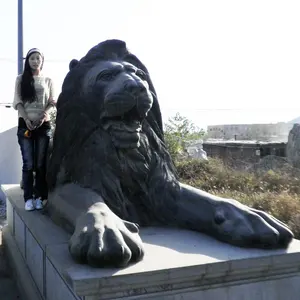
(131, 181)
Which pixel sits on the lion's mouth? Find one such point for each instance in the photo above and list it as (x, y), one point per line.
(130, 121)
(121, 125)
(125, 129)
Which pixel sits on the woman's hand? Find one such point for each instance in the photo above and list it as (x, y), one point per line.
(40, 121)
(29, 124)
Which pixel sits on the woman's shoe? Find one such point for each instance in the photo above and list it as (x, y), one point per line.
(29, 205)
(38, 204)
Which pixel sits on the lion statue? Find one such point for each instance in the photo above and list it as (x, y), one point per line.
(109, 170)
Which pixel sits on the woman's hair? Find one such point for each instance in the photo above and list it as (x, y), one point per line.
(28, 93)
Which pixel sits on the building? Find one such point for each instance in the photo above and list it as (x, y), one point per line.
(258, 132)
(246, 151)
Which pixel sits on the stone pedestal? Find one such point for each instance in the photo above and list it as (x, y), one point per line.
(178, 265)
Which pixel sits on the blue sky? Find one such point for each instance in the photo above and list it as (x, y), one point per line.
(214, 62)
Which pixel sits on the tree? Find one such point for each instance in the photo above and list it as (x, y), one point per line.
(179, 133)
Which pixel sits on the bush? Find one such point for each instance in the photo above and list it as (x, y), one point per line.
(179, 132)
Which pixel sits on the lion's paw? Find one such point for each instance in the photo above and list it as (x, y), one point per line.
(244, 226)
(102, 239)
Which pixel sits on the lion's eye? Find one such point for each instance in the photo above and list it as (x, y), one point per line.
(141, 74)
(105, 76)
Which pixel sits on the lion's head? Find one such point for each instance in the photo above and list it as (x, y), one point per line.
(109, 134)
(116, 90)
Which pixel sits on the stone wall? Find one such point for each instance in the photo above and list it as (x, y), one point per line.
(247, 152)
(10, 155)
(293, 146)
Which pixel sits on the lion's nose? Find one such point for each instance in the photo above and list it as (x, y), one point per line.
(133, 87)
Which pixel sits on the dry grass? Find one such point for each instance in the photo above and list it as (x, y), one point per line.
(275, 192)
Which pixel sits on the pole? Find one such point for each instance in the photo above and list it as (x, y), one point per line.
(20, 36)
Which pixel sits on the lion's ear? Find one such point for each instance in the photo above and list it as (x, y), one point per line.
(73, 63)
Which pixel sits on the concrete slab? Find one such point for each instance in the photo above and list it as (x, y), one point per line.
(56, 288)
(176, 260)
(38, 223)
(178, 264)
(10, 217)
(20, 233)
(20, 271)
(35, 260)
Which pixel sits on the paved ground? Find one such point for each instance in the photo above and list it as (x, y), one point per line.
(8, 289)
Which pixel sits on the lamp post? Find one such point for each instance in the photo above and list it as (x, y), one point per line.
(20, 36)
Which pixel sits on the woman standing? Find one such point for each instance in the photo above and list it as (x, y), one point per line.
(34, 100)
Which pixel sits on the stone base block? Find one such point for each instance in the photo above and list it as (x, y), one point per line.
(178, 265)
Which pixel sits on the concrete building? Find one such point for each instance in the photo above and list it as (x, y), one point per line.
(259, 132)
(246, 151)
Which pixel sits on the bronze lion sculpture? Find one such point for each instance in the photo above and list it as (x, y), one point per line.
(109, 168)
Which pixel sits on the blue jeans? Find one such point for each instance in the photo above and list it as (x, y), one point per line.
(34, 151)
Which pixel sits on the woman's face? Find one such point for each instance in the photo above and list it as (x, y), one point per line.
(35, 61)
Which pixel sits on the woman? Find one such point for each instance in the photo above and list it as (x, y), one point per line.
(34, 100)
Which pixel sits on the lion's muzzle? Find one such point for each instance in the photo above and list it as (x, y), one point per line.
(128, 95)
(125, 107)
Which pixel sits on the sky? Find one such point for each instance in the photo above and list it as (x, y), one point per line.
(214, 62)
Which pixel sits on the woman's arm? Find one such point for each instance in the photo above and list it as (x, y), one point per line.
(17, 94)
(18, 103)
(50, 107)
(20, 108)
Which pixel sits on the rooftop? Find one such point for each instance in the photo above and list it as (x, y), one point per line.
(239, 142)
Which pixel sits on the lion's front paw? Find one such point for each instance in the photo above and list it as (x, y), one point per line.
(102, 239)
(244, 226)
